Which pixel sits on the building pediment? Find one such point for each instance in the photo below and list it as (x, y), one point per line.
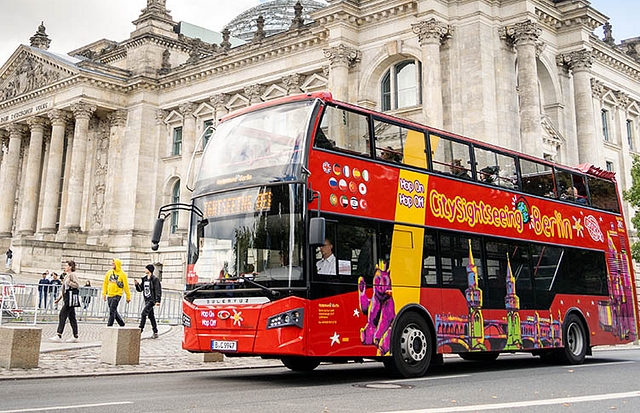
(28, 70)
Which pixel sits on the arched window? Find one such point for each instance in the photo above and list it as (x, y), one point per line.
(175, 198)
(401, 85)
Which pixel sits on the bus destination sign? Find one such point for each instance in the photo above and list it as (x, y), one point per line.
(237, 204)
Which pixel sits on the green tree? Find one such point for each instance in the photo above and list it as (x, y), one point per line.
(632, 195)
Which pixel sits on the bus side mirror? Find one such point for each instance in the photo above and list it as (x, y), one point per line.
(157, 234)
(316, 231)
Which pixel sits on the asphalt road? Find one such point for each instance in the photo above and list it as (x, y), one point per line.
(609, 381)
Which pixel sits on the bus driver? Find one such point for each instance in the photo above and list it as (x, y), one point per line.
(327, 264)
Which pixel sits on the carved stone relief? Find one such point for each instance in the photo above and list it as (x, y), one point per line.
(31, 74)
(100, 174)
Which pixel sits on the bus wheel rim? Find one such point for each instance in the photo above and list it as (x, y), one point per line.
(413, 344)
(574, 339)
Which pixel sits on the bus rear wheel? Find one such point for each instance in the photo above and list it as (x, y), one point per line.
(411, 347)
(300, 363)
(574, 340)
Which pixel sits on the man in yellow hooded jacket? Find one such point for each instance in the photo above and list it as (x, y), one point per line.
(115, 281)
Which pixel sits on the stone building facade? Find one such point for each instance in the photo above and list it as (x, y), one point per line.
(96, 140)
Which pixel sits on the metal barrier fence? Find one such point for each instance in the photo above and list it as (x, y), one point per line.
(29, 303)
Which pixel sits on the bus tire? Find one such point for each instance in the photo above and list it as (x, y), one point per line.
(574, 339)
(411, 347)
(300, 363)
(482, 356)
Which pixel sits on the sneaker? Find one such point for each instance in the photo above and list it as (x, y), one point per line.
(155, 335)
(56, 338)
(72, 340)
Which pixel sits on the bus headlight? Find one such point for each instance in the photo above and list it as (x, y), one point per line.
(288, 318)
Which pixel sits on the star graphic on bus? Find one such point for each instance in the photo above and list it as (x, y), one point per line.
(335, 338)
(356, 313)
(577, 226)
(237, 318)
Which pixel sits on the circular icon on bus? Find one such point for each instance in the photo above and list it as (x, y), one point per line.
(326, 167)
(333, 182)
(333, 199)
(346, 171)
(344, 201)
(362, 188)
(354, 202)
(356, 173)
(337, 170)
(365, 175)
(353, 187)
(364, 205)
(343, 185)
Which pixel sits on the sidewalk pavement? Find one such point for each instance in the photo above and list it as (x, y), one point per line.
(164, 354)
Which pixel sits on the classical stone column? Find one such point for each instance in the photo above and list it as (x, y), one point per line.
(31, 187)
(188, 146)
(82, 112)
(431, 34)
(219, 102)
(524, 36)
(579, 62)
(341, 59)
(59, 121)
(10, 183)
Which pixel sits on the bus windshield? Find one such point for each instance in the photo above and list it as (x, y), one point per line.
(251, 233)
(262, 146)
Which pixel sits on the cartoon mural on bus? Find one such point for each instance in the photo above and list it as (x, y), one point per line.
(379, 309)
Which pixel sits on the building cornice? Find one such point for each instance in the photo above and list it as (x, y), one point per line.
(348, 13)
(242, 57)
(615, 58)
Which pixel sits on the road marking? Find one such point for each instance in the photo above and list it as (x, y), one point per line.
(424, 378)
(513, 405)
(598, 364)
(77, 406)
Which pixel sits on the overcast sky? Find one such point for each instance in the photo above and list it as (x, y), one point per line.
(74, 23)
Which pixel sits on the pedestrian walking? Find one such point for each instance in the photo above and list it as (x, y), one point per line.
(115, 282)
(43, 290)
(71, 300)
(86, 299)
(9, 254)
(151, 290)
(54, 288)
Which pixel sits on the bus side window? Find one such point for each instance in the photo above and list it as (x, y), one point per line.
(344, 131)
(429, 257)
(603, 194)
(495, 168)
(389, 141)
(450, 157)
(537, 179)
(455, 260)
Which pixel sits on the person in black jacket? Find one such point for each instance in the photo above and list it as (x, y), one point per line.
(152, 292)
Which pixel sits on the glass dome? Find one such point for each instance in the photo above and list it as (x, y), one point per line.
(277, 15)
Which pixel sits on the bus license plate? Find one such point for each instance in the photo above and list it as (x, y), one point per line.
(220, 345)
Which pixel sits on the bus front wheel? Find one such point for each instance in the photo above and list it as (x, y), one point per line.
(574, 340)
(411, 347)
(300, 363)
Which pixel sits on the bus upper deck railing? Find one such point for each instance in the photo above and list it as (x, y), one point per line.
(29, 303)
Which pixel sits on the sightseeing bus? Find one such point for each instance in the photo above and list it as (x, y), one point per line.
(325, 232)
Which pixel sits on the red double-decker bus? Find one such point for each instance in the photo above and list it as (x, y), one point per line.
(322, 231)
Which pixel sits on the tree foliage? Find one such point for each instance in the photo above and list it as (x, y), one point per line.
(632, 195)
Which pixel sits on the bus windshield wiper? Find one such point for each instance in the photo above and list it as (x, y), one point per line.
(272, 292)
(202, 287)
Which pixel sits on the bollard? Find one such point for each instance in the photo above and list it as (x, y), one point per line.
(120, 345)
(20, 346)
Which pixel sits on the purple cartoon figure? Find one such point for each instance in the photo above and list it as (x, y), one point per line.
(380, 310)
